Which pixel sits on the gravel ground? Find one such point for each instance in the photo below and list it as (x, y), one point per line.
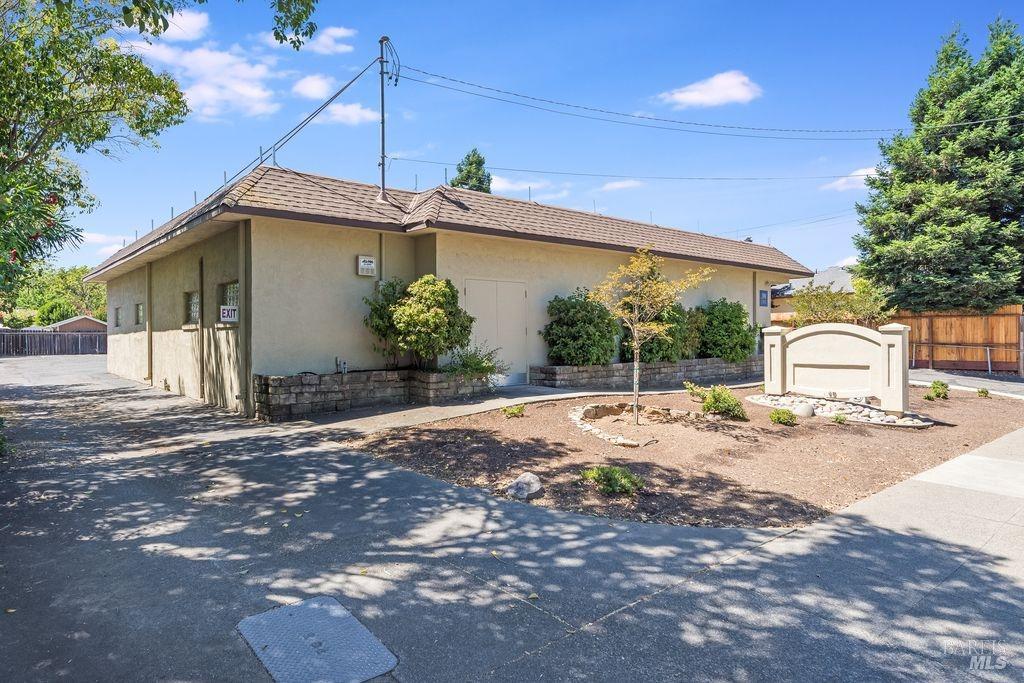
(706, 473)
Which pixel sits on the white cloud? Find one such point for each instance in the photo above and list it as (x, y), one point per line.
(328, 41)
(547, 197)
(216, 82)
(314, 86)
(186, 25)
(848, 261)
(503, 184)
(100, 238)
(619, 185)
(853, 181)
(348, 114)
(728, 87)
(108, 250)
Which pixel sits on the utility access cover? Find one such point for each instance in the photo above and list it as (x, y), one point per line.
(315, 640)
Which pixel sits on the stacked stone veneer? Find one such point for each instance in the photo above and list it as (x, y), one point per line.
(652, 375)
(280, 398)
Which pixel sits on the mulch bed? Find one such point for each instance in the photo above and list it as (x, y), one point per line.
(705, 473)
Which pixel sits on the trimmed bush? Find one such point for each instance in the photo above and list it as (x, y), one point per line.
(718, 400)
(727, 333)
(612, 480)
(581, 331)
(682, 342)
(514, 411)
(381, 320)
(940, 389)
(983, 393)
(475, 361)
(783, 416)
(429, 320)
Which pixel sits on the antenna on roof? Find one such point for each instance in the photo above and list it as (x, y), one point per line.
(416, 182)
(152, 224)
(172, 212)
(195, 197)
(595, 205)
(225, 177)
(529, 193)
(136, 234)
(651, 212)
(445, 175)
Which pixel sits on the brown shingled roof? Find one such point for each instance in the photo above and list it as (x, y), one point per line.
(271, 191)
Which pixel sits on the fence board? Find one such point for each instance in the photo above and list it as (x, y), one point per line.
(961, 340)
(50, 343)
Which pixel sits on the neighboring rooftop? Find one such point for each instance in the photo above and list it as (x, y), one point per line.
(838, 278)
(285, 193)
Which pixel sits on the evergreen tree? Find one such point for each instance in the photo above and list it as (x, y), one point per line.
(943, 219)
(471, 174)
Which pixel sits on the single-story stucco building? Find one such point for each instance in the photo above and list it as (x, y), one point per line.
(268, 276)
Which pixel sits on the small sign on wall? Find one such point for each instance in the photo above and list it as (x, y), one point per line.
(763, 297)
(366, 265)
(229, 314)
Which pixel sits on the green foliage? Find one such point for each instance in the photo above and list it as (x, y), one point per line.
(43, 283)
(681, 340)
(983, 393)
(514, 411)
(929, 396)
(612, 480)
(18, 319)
(471, 173)
(839, 418)
(866, 305)
(381, 320)
(696, 391)
(475, 361)
(429, 320)
(782, 416)
(942, 224)
(940, 389)
(727, 333)
(54, 311)
(581, 331)
(718, 400)
(66, 85)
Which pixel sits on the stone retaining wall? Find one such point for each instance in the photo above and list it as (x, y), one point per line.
(703, 371)
(280, 398)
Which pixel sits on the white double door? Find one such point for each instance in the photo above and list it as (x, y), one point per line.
(499, 308)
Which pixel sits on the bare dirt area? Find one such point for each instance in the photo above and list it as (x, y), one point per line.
(698, 472)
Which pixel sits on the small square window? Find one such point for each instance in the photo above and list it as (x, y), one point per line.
(117, 316)
(229, 294)
(140, 314)
(192, 307)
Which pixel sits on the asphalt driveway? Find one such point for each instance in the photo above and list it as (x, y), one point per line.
(137, 528)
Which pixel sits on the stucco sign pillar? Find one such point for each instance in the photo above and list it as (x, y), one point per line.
(775, 360)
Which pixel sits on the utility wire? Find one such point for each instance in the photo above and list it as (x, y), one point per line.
(584, 174)
(700, 124)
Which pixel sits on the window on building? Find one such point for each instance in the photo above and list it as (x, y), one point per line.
(140, 314)
(229, 294)
(191, 307)
(117, 316)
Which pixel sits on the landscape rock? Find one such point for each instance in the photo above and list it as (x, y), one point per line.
(803, 410)
(527, 486)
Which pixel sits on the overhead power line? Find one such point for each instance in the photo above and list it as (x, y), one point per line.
(661, 119)
(585, 174)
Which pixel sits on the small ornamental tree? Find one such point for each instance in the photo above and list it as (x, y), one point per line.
(381, 320)
(728, 334)
(471, 173)
(429, 320)
(638, 294)
(581, 331)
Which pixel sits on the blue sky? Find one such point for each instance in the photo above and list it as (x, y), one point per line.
(786, 65)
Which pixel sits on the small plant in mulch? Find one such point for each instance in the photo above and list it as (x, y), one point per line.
(612, 480)
(983, 393)
(718, 400)
(929, 396)
(940, 389)
(514, 411)
(783, 416)
(839, 419)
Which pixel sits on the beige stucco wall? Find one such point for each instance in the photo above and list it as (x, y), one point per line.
(126, 345)
(307, 299)
(549, 270)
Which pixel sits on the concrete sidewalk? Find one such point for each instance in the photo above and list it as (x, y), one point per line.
(139, 528)
(1007, 385)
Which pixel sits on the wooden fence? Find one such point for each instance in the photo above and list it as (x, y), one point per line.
(961, 340)
(50, 343)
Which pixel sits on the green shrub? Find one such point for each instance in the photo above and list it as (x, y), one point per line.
(727, 332)
(929, 396)
(940, 389)
(783, 416)
(381, 320)
(54, 311)
(514, 411)
(720, 401)
(475, 362)
(581, 331)
(429, 320)
(682, 340)
(983, 393)
(839, 418)
(612, 480)
(694, 390)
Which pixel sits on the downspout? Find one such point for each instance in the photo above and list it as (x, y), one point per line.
(149, 323)
(245, 396)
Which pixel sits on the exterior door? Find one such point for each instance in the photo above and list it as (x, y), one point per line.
(499, 308)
